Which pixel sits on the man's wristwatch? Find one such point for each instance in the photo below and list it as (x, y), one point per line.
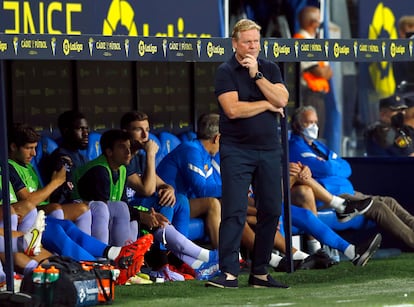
(258, 76)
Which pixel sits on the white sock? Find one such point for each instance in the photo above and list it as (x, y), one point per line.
(196, 264)
(204, 255)
(337, 203)
(299, 255)
(113, 252)
(274, 260)
(350, 251)
(313, 246)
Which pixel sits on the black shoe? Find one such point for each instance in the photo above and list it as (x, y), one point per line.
(317, 261)
(354, 208)
(269, 283)
(283, 265)
(221, 282)
(365, 251)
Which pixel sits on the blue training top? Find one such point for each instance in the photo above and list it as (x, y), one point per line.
(191, 170)
(330, 170)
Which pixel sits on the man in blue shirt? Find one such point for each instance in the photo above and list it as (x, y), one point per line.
(333, 172)
(192, 169)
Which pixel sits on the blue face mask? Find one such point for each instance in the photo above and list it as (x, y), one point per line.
(311, 132)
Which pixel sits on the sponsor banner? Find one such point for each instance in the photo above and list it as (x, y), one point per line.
(164, 18)
(175, 49)
(378, 21)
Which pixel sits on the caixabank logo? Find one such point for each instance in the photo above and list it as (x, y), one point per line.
(381, 72)
(179, 18)
(120, 19)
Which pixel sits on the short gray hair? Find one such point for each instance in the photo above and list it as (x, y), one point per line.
(295, 121)
(208, 126)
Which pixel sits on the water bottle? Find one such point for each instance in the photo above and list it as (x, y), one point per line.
(38, 279)
(52, 274)
(39, 274)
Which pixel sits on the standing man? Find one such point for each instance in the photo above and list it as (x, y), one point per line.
(251, 96)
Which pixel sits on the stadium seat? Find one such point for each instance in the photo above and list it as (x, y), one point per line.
(44, 148)
(196, 231)
(187, 136)
(94, 148)
(168, 142)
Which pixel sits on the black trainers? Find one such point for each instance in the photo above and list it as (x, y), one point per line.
(317, 261)
(283, 265)
(221, 282)
(269, 283)
(354, 208)
(365, 251)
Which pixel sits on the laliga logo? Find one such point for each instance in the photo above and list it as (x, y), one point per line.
(336, 50)
(210, 49)
(141, 48)
(266, 47)
(393, 49)
(396, 49)
(66, 47)
(276, 50)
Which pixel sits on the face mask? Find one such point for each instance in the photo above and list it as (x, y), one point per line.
(397, 120)
(311, 132)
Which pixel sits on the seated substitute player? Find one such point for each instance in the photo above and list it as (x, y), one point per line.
(27, 186)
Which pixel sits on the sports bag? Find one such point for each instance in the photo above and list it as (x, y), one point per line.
(76, 285)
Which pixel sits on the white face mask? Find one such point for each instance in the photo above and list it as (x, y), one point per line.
(311, 132)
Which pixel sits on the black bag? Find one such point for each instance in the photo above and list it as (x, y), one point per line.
(74, 287)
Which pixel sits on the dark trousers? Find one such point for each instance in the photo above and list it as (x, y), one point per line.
(390, 216)
(239, 169)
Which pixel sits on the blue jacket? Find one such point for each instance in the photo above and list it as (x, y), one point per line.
(192, 171)
(331, 170)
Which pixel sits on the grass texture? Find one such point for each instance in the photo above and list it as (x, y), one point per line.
(382, 282)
